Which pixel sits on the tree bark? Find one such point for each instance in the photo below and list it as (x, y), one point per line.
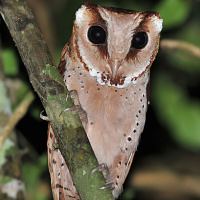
(48, 84)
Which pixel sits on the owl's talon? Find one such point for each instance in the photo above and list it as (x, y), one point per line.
(69, 95)
(101, 168)
(74, 108)
(109, 186)
(43, 117)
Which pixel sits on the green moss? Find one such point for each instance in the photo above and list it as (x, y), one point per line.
(177, 111)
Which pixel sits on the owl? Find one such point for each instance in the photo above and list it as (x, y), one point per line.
(107, 63)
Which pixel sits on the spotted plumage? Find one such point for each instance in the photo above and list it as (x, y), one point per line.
(61, 181)
(107, 62)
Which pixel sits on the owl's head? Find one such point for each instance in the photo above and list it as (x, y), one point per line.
(116, 45)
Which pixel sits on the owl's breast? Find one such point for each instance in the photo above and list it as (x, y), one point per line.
(112, 113)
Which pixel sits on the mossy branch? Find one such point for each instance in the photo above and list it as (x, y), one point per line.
(50, 88)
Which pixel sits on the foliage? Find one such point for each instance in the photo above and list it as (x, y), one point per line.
(32, 175)
(10, 65)
(175, 78)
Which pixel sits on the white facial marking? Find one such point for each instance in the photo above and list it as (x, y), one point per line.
(80, 15)
(157, 23)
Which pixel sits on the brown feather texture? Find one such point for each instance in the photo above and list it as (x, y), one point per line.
(61, 181)
(110, 79)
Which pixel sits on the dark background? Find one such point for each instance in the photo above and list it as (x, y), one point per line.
(167, 164)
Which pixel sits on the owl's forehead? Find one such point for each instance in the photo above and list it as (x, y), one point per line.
(118, 17)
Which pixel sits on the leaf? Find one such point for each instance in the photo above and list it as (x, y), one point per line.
(173, 12)
(183, 60)
(177, 111)
(32, 175)
(4, 149)
(4, 101)
(10, 64)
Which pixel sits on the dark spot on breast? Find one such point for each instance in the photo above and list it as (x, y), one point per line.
(50, 150)
(69, 76)
(59, 186)
(137, 124)
(137, 116)
(129, 139)
(118, 176)
(139, 111)
(134, 131)
(91, 123)
(54, 161)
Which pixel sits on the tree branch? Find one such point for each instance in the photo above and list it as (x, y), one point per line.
(185, 46)
(50, 87)
(15, 117)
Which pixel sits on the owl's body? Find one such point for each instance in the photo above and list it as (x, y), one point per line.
(61, 181)
(115, 118)
(107, 63)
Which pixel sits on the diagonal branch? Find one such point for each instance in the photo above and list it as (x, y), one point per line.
(15, 117)
(49, 86)
(180, 45)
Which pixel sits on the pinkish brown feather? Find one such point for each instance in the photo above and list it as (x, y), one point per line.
(61, 181)
(115, 106)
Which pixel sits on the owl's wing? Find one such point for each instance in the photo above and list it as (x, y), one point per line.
(61, 181)
(62, 64)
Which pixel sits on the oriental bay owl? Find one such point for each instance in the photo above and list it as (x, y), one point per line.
(107, 63)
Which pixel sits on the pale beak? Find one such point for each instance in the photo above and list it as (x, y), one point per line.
(115, 64)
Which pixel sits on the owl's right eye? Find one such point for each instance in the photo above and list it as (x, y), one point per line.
(96, 35)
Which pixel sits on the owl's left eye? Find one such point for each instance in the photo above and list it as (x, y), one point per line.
(96, 35)
(140, 40)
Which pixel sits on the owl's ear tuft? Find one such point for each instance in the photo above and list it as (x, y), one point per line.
(157, 22)
(80, 14)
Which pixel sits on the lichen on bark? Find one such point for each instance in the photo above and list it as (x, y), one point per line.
(50, 88)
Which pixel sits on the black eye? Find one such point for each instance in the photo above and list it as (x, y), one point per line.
(139, 40)
(96, 35)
